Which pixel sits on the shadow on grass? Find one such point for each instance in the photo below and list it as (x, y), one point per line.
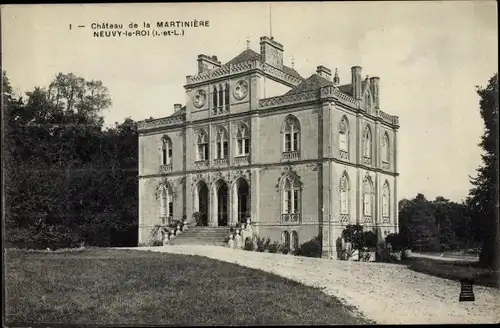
(106, 286)
(455, 270)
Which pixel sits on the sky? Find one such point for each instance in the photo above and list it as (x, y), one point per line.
(429, 56)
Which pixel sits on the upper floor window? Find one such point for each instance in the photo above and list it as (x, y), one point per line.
(344, 138)
(386, 196)
(291, 136)
(220, 98)
(367, 200)
(166, 151)
(367, 143)
(344, 198)
(385, 148)
(221, 144)
(166, 202)
(202, 146)
(242, 141)
(290, 198)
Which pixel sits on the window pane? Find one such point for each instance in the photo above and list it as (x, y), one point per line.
(240, 146)
(164, 156)
(226, 149)
(288, 144)
(343, 142)
(295, 141)
(170, 209)
(295, 201)
(247, 146)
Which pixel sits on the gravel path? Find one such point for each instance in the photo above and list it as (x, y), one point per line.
(385, 293)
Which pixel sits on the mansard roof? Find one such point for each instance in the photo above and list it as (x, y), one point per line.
(249, 54)
(181, 111)
(245, 56)
(346, 88)
(313, 82)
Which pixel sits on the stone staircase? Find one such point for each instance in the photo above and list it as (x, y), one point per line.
(201, 236)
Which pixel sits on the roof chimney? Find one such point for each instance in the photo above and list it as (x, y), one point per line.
(271, 52)
(356, 81)
(324, 72)
(177, 107)
(207, 63)
(336, 79)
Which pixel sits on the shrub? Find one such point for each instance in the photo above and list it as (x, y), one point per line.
(311, 248)
(353, 233)
(369, 239)
(262, 244)
(248, 244)
(274, 247)
(197, 218)
(284, 249)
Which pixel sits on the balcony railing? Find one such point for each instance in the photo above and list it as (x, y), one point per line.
(343, 154)
(201, 163)
(367, 160)
(385, 165)
(344, 218)
(288, 155)
(241, 160)
(367, 219)
(290, 218)
(385, 219)
(165, 168)
(220, 161)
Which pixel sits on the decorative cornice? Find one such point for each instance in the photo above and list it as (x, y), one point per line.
(231, 69)
(161, 122)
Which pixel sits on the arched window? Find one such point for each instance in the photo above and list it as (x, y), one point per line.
(291, 135)
(166, 151)
(221, 143)
(295, 240)
(344, 198)
(344, 138)
(368, 200)
(221, 98)
(367, 143)
(290, 199)
(242, 141)
(166, 204)
(386, 196)
(285, 238)
(226, 97)
(202, 143)
(385, 148)
(214, 100)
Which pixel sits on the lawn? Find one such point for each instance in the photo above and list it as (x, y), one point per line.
(455, 270)
(124, 287)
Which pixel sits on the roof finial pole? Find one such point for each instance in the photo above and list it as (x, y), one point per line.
(248, 43)
(293, 61)
(270, 22)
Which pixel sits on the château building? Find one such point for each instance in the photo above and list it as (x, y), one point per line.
(302, 156)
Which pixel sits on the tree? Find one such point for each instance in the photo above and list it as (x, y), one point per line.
(482, 201)
(67, 179)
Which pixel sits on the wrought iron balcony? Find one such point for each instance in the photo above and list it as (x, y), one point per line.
(220, 161)
(343, 154)
(367, 219)
(241, 160)
(385, 219)
(290, 218)
(344, 218)
(166, 220)
(288, 155)
(165, 168)
(201, 163)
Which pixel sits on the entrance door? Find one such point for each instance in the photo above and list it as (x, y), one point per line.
(242, 200)
(222, 196)
(203, 203)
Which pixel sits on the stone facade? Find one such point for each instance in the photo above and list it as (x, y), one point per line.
(301, 156)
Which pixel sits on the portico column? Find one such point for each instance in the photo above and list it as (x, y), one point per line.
(234, 204)
(212, 221)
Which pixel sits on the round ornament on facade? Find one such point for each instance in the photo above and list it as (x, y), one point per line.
(240, 90)
(200, 98)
